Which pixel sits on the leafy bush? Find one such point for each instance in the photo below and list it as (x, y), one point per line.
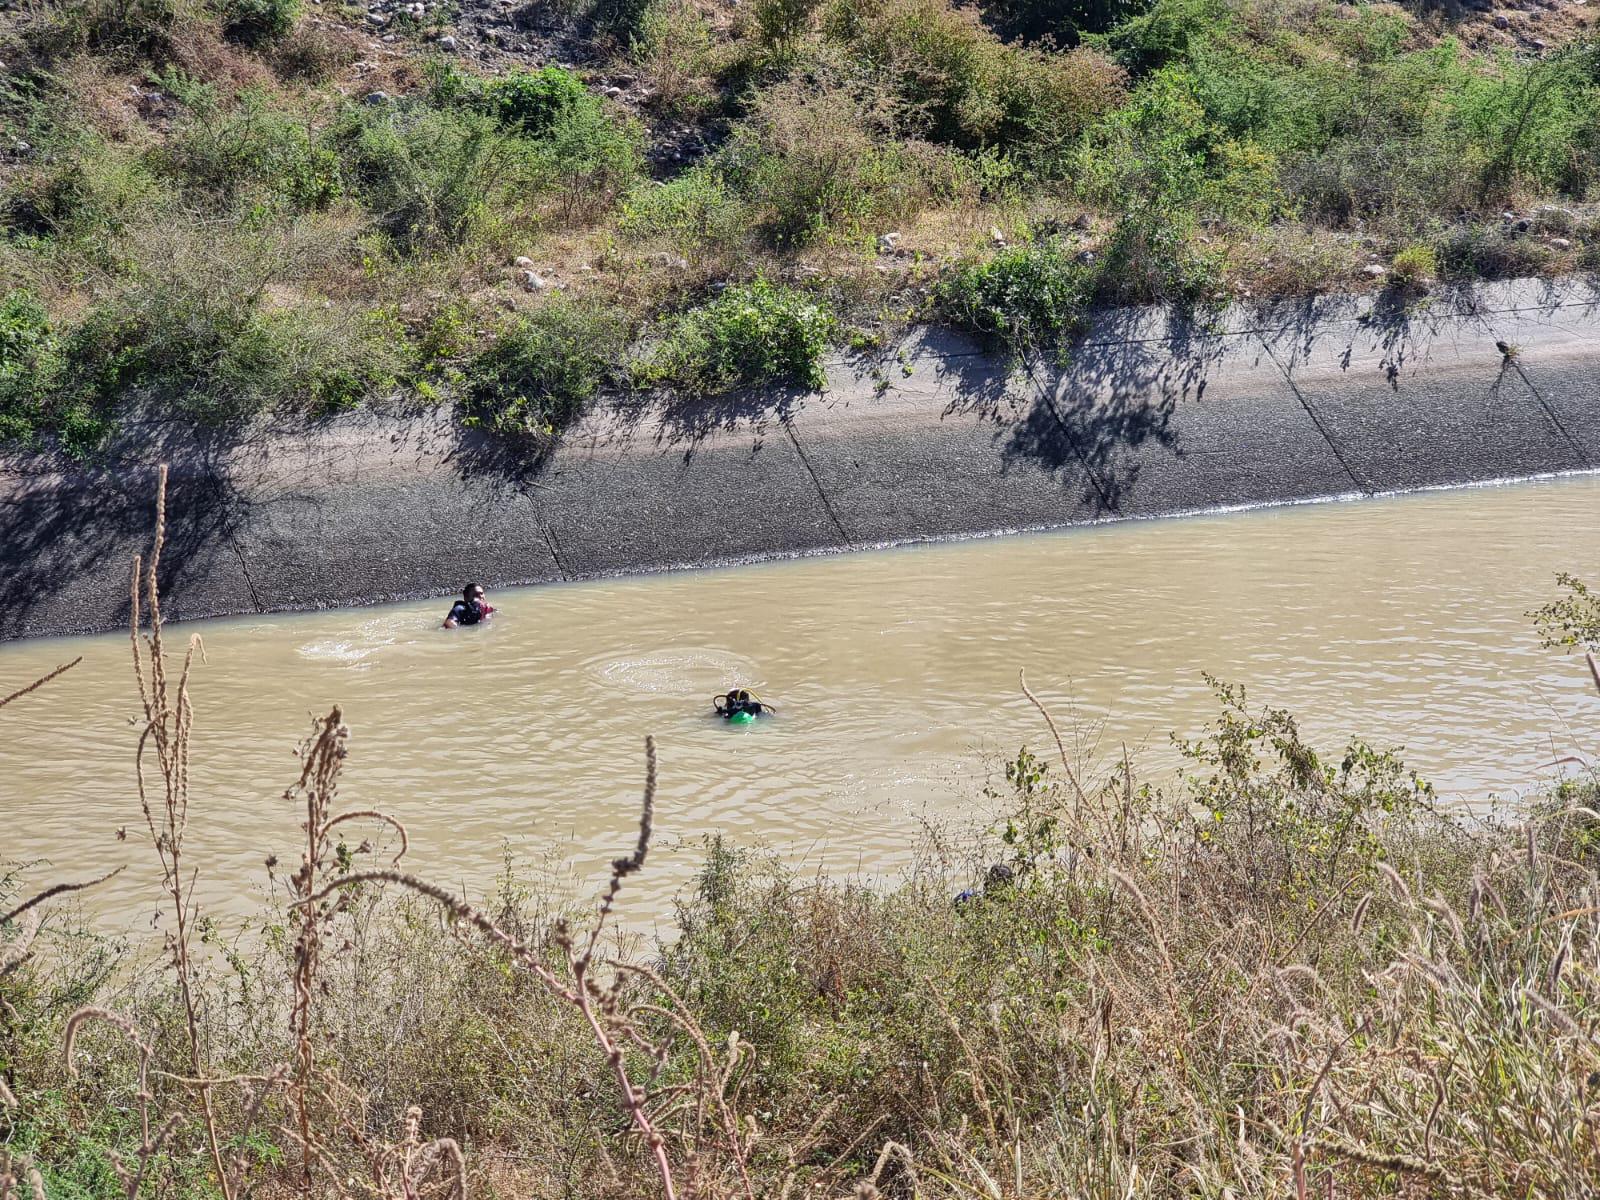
(1473, 251)
(954, 82)
(259, 22)
(1571, 621)
(620, 20)
(1027, 297)
(535, 101)
(1162, 167)
(1414, 267)
(1536, 122)
(814, 165)
(194, 325)
(431, 177)
(751, 334)
(1064, 21)
(697, 206)
(675, 50)
(252, 152)
(91, 189)
(781, 23)
(1167, 31)
(541, 370)
(1287, 820)
(32, 401)
(562, 139)
(588, 157)
(314, 53)
(128, 29)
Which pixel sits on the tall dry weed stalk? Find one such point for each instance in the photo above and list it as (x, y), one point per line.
(700, 1119)
(169, 720)
(317, 788)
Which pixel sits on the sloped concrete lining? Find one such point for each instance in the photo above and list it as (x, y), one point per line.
(668, 485)
(1176, 424)
(1556, 356)
(379, 505)
(941, 440)
(1152, 414)
(67, 542)
(1425, 402)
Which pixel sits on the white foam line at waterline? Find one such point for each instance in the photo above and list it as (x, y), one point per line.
(723, 563)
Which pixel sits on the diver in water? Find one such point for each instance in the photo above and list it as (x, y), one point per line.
(470, 609)
(996, 880)
(739, 702)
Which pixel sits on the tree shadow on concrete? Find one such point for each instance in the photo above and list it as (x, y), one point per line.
(1114, 401)
(510, 464)
(1396, 331)
(62, 527)
(681, 422)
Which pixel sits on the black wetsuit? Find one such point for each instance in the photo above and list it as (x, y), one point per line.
(733, 707)
(467, 612)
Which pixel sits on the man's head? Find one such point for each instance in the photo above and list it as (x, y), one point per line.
(473, 591)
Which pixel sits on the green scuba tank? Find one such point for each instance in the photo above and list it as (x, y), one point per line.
(742, 718)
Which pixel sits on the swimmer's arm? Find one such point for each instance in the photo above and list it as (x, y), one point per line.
(449, 623)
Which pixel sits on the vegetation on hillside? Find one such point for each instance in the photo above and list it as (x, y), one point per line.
(1287, 975)
(216, 208)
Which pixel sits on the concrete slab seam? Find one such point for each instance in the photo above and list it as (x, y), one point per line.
(244, 569)
(1099, 485)
(806, 463)
(548, 534)
(1577, 449)
(1312, 413)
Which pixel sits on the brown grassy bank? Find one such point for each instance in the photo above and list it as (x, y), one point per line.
(224, 208)
(1289, 975)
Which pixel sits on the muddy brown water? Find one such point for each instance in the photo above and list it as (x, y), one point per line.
(1399, 619)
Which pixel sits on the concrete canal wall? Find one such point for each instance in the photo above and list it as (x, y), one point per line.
(1153, 415)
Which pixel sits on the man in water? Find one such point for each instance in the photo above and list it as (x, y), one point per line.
(470, 609)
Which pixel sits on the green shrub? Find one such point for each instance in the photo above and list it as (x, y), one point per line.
(254, 153)
(314, 53)
(1289, 822)
(541, 370)
(675, 50)
(697, 206)
(1061, 20)
(31, 402)
(127, 29)
(1474, 251)
(1167, 31)
(1162, 168)
(751, 334)
(1027, 297)
(813, 166)
(588, 157)
(432, 177)
(1536, 123)
(92, 189)
(193, 326)
(534, 101)
(1414, 267)
(620, 20)
(562, 140)
(955, 83)
(781, 23)
(1572, 621)
(259, 22)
